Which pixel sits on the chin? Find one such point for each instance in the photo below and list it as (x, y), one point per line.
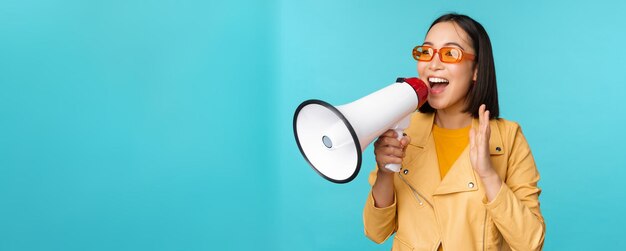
(436, 105)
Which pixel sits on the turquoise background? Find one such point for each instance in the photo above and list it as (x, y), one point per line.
(166, 125)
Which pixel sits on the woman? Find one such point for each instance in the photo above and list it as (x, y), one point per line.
(468, 179)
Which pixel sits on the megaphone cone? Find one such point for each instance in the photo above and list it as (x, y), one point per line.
(332, 139)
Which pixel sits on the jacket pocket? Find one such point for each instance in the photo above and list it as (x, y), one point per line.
(400, 245)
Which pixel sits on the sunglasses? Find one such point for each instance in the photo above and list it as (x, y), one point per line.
(446, 54)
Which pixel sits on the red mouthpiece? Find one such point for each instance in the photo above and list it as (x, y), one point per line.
(420, 89)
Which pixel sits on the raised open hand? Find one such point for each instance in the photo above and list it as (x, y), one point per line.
(479, 144)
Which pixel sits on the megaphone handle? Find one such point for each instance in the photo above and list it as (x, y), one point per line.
(396, 167)
(399, 128)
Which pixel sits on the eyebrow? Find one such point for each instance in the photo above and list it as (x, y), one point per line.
(446, 44)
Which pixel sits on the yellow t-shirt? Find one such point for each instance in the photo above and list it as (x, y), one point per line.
(449, 144)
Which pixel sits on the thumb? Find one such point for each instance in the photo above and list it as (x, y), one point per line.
(408, 139)
(405, 140)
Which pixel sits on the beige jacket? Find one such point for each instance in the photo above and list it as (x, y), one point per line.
(454, 211)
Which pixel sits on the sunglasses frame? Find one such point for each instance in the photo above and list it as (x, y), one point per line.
(464, 55)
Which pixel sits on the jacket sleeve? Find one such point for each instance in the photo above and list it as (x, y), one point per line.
(515, 209)
(379, 223)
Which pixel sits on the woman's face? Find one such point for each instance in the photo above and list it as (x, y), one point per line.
(456, 78)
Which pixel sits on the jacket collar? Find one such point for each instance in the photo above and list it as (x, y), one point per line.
(421, 131)
(461, 176)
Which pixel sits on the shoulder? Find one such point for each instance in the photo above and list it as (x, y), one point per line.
(507, 127)
(419, 116)
(510, 131)
(420, 127)
(420, 121)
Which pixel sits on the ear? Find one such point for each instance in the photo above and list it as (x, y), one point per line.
(475, 73)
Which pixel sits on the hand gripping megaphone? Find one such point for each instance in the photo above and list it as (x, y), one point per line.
(332, 139)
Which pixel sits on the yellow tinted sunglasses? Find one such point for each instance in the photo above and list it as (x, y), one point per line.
(446, 54)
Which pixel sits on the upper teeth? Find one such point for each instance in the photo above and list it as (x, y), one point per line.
(437, 80)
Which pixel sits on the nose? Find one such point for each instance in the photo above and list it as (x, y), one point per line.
(435, 63)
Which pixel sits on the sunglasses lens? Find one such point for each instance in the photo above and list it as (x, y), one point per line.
(422, 53)
(450, 55)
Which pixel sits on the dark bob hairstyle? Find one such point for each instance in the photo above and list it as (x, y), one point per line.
(485, 90)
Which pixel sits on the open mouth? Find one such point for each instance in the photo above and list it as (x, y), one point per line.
(437, 85)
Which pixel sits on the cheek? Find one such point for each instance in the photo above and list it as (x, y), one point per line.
(421, 72)
(462, 72)
(421, 66)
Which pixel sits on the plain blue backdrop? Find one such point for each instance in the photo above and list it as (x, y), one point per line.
(166, 125)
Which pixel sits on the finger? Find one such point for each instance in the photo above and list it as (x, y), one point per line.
(396, 152)
(472, 137)
(387, 134)
(487, 127)
(480, 118)
(389, 151)
(381, 151)
(486, 115)
(379, 142)
(391, 160)
(390, 133)
(405, 141)
(388, 141)
(386, 159)
(483, 117)
(483, 125)
(481, 110)
(402, 142)
(399, 154)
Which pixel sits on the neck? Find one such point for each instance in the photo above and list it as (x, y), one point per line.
(452, 120)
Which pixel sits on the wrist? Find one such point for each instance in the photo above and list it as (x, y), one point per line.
(493, 185)
(487, 172)
(488, 175)
(384, 172)
(491, 178)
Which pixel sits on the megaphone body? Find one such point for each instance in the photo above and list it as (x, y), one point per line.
(332, 139)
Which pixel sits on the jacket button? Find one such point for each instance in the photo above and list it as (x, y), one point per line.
(470, 185)
(406, 171)
(498, 149)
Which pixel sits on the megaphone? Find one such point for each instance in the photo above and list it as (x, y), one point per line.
(332, 139)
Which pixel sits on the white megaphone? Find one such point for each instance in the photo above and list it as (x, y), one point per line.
(332, 138)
